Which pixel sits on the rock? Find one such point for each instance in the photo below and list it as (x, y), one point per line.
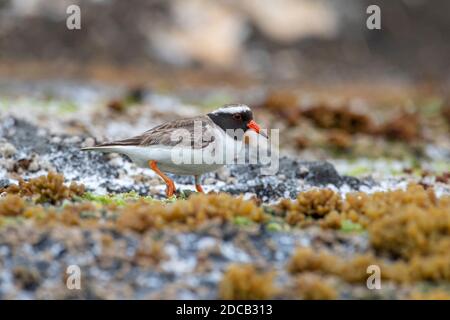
(34, 164)
(7, 149)
(56, 140)
(116, 162)
(4, 183)
(302, 172)
(314, 173)
(72, 140)
(88, 142)
(23, 134)
(322, 174)
(117, 174)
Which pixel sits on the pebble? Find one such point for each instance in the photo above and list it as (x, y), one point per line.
(34, 164)
(232, 180)
(223, 173)
(72, 140)
(303, 171)
(88, 142)
(7, 149)
(8, 164)
(116, 162)
(56, 140)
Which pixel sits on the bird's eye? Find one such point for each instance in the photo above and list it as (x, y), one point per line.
(237, 116)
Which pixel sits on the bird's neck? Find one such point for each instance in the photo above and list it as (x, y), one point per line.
(219, 121)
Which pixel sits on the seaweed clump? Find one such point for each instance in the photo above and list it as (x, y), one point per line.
(315, 204)
(410, 226)
(284, 104)
(245, 282)
(197, 209)
(405, 127)
(11, 206)
(352, 270)
(149, 253)
(403, 223)
(46, 189)
(83, 214)
(310, 286)
(342, 118)
(413, 216)
(116, 106)
(436, 294)
(411, 231)
(340, 140)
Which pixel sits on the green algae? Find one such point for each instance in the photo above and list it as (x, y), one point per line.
(242, 221)
(350, 226)
(119, 199)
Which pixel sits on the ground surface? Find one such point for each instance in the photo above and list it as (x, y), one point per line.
(189, 255)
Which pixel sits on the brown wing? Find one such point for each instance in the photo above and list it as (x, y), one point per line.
(135, 141)
(173, 133)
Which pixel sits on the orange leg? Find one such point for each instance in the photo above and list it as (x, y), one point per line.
(170, 185)
(198, 186)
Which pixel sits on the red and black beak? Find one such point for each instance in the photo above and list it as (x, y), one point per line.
(252, 125)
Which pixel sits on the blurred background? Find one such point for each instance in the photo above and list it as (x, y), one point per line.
(285, 40)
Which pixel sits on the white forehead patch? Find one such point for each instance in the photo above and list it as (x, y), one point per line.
(234, 108)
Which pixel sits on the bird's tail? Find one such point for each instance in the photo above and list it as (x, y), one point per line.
(103, 148)
(115, 146)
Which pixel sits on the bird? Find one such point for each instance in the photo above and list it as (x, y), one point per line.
(188, 146)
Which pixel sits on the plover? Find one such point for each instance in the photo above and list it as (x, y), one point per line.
(190, 146)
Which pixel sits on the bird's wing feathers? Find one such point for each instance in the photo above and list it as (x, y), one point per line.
(173, 133)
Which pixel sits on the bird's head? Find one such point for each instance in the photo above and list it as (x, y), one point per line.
(235, 117)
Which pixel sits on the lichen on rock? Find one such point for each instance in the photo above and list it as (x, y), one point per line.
(46, 189)
(245, 282)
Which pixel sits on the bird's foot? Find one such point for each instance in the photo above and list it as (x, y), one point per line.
(170, 190)
(199, 188)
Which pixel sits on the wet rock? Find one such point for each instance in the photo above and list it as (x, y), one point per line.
(295, 175)
(112, 173)
(322, 173)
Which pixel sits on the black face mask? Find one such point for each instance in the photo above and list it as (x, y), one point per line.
(230, 121)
